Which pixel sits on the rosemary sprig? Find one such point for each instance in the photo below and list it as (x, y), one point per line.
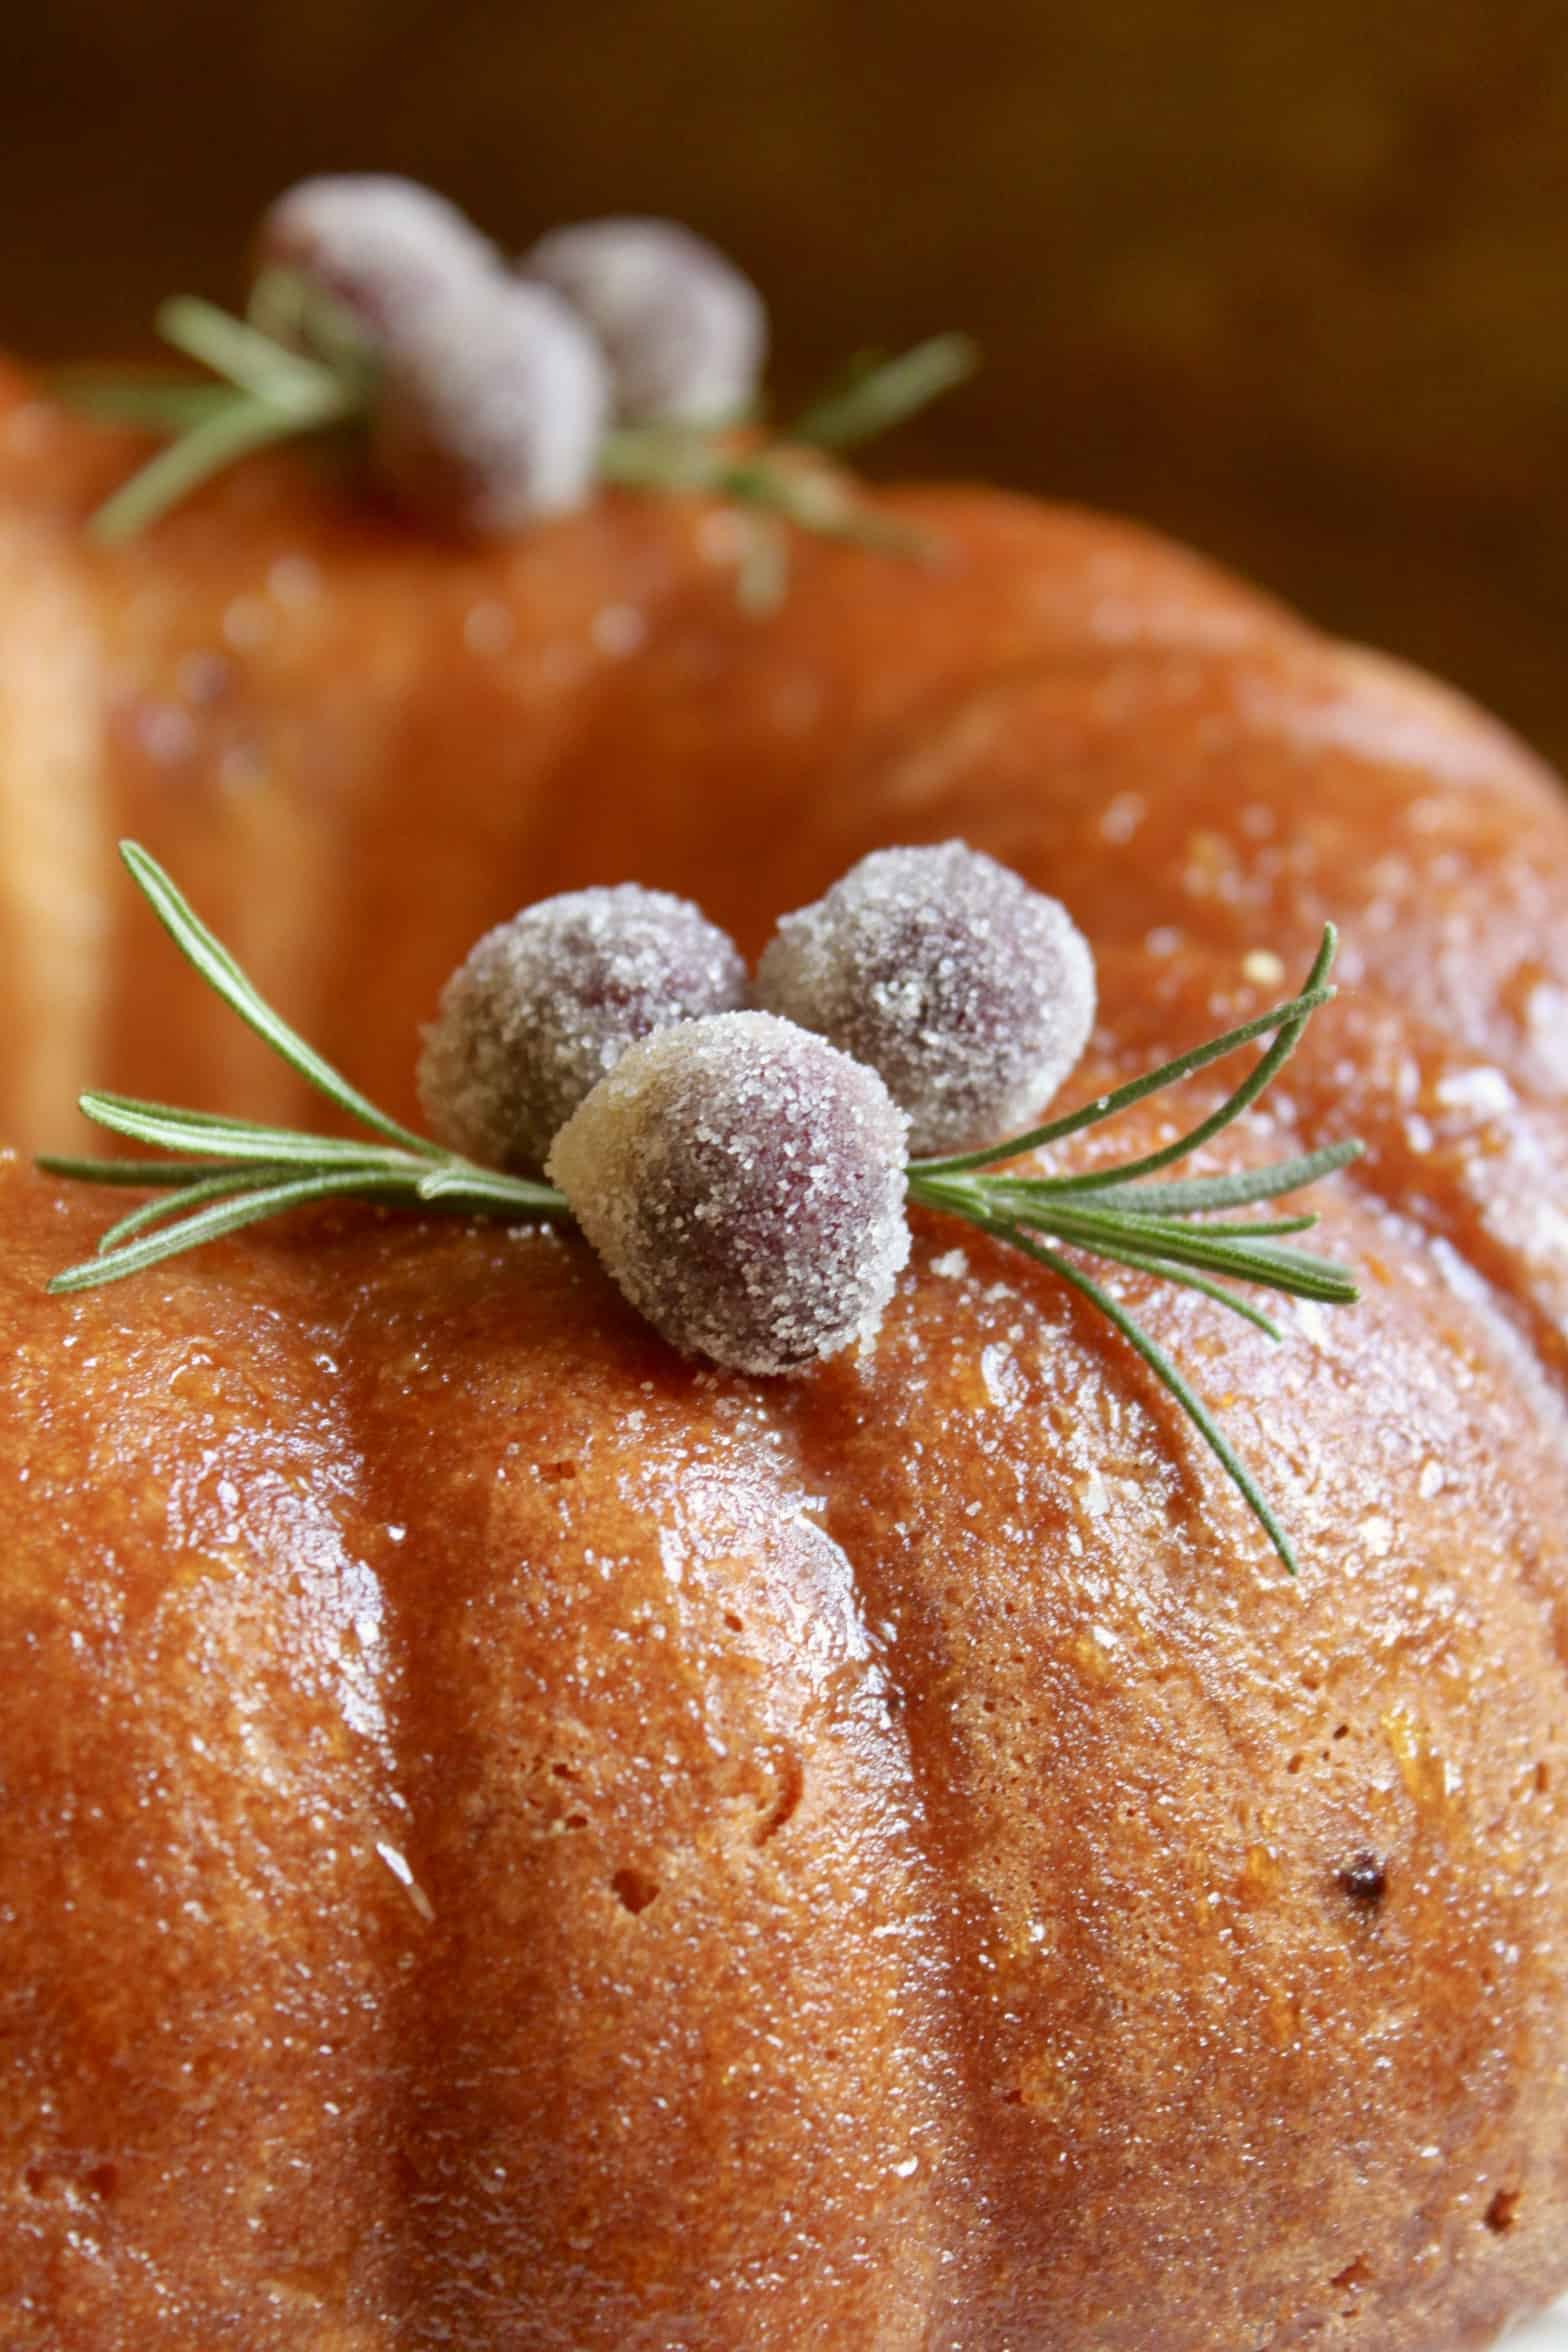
(297, 366)
(771, 480)
(876, 392)
(227, 1173)
(267, 391)
(1167, 1230)
(214, 1175)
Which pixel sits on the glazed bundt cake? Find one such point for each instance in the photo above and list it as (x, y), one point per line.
(516, 1839)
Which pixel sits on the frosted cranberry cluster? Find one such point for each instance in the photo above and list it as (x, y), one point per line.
(496, 381)
(736, 1153)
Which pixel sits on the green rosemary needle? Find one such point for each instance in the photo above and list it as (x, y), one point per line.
(297, 366)
(214, 1175)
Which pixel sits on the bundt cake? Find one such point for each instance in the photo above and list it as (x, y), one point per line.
(516, 1840)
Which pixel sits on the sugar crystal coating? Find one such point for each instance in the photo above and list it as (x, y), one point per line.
(544, 1005)
(382, 246)
(743, 1183)
(683, 331)
(972, 994)
(491, 409)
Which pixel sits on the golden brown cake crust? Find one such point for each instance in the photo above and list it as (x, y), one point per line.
(512, 1840)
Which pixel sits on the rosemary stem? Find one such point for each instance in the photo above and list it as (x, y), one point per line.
(245, 422)
(657, 458)
(255, 362)
(875, 396)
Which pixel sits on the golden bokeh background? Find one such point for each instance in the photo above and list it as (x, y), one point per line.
(1286, 277)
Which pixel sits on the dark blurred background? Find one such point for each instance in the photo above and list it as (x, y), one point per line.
(1287, 277)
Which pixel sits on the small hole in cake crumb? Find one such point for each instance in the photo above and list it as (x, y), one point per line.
(1353, 2277)
(103, 2180)
(1503, 2211)
(791, 1788)
(632, 1890)
(553, 1472)
(735, 1624)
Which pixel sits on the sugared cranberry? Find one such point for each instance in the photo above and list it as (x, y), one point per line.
(743, 1183)
(544, 1005)
(381, 246)
(972, 994)
(491, 409)
(684, 333)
